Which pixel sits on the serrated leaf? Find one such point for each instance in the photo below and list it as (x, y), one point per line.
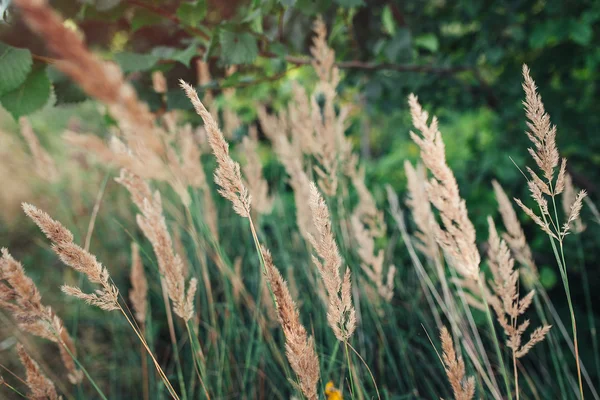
(32, 95)
(132, 62)
(238, 48)
(15, 65)
(192, 13)
(350, 3)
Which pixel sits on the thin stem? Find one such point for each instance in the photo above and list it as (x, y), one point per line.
(87, 375)
(145, 380)
(563, 271)
(156, 364)
(495, 339)
(196, 348)
(368, 369)
(173, 340)
(14, 390)
(588, 302)
(349, 369)
(516, 375)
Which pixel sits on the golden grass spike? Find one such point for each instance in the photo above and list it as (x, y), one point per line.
(227, 174)
(40, 387)
(78, 259)
(463, 388)
(152, 223)
(20, 297)
(341, 314)
(300, 348)
(458, 238)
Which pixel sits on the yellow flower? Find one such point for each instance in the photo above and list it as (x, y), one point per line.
(332, 393)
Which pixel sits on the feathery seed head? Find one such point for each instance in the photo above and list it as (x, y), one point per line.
(227, 174)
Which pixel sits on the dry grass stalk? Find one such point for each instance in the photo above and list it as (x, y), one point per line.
(289, 153)
(139, 292)
(341, 315)
(300, 348)
(107, 298)
(372, 262)
(330, 147)
(299, 120)
(505, 285)
(420, 207)
(458, 238)
(543, 135)
(20, 297)
(40, 387)
(545, 154)
(42, 161)
(366, 209)
(568, 201)
(509, 306)
(253, 174)
(514, 236)
(153, 225)
(463, 388)
(227, 174)
(77, 258)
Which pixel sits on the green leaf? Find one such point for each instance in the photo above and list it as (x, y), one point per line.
(32, 95)
(350, 3)
(238, 48)
(15, 65)
(548, 277)
(192, 13)
(177, 100)
(186, 55)
(105, 5)
(581, 32)
(183, 56)
(131, 62)
(427, 41)
(163, 52)
(287, 3)
(143, 18)
(399, 46)
(387, 20)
